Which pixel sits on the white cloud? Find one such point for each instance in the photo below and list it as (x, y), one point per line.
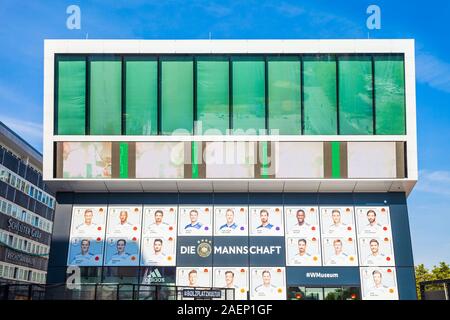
(26, 129)
(326, 24)
(290, 10)
(217, 10)
(10, 96)
(433, 71)
(20, 113)
(437, 182)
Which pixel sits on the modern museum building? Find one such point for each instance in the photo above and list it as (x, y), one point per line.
(277, 168)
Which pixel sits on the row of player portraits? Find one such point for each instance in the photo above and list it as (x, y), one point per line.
(229, 221)
(158, 247)
(299, 252)
(377, 283)
(335, 251)
(264, 283)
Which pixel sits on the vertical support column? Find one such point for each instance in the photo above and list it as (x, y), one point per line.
(194, 146)
(335, 160)
(123, 160)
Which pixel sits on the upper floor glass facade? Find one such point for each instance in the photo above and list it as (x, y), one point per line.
(332, 94)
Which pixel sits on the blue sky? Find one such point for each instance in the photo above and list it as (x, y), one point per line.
(26, 23)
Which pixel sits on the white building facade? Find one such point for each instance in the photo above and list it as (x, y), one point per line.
(279, 168)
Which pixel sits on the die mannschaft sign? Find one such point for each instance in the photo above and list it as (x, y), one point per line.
(231, 251)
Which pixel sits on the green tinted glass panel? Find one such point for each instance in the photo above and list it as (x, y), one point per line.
(355, 95)
(71, 103)
(141, 96)
(195, 160)
(248, 95)
(319, 95)
(123, 160)
(212, 95)
(177, 96)
(389, 95)
(284, 96)
(335, 160)
(264, 160)
(105, 96)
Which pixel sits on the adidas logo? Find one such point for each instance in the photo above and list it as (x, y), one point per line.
(155, 276)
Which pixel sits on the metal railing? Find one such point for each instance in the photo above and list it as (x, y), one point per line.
(110, 291)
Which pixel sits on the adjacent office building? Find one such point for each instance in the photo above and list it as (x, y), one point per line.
(26, 212)
(278, 168)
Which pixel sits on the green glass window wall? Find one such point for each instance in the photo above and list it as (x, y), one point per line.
(105, 102)
(355, 95)
(389, 95)
(71, 95)
(213, 112)
(248, 95)
(284, 96)
(141, 96)
(177, 96)
(323, 94)
(319, 95)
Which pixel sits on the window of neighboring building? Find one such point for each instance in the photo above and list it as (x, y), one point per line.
(36, 221)
(14, 211)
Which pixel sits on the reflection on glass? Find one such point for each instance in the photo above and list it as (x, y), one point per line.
(146, 292)
(121, 275)
(85, 291)
(125, 292)
(284, 95)
(212, 95)
(351, 293)
(390, 95)
(71, 97)
(248, 95)
(314, 294)
(105, 101)
(86, 159)
(319, 95)
(336, 293)
(355, 95)
(333, 293)
(177, 96)
(141, 96)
